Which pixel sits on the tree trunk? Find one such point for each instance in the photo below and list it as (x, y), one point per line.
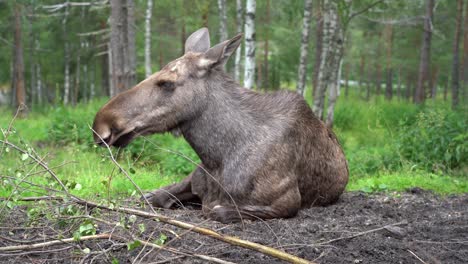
(239, 23)
(408, 87)
(302, 70)
(76, 87)
(18, 65)
(32, 59)
(399, 84)
(249, 73)
(378, 67)
(39, 92)
(318, 45)
(389, 77)
(223, 33)
(331, 60)
(66, 84)
(362, 66)
(347, 70)
(266, 50)
(456, 56)
(123, 56)
(465, 56)
(131, 53)
(425, 59)
(368, 83)
(149, 12)
(433, 81)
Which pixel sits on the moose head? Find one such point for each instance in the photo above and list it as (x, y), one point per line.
(167, 98)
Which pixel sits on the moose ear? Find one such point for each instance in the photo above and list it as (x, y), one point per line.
(219, 54)
(199, 41)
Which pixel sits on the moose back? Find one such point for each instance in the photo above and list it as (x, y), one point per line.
(262, 155)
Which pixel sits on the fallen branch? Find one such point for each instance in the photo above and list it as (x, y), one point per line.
(362, 233)
(204, 257)
(105, 236)
(416, 256)
(53, 243)
(201, 230)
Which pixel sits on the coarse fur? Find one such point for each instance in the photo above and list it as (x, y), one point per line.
(262, 155)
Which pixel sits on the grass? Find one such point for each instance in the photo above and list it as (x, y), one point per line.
(368, 131)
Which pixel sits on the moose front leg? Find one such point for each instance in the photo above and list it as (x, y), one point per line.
(175, 194)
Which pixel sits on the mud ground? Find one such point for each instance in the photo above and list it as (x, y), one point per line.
(411, 227)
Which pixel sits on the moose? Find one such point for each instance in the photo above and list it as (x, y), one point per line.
(262, 156)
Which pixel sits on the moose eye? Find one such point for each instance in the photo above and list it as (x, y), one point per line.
(166, 85)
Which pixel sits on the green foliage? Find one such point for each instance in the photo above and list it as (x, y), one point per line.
(436, 139)
(73, 124)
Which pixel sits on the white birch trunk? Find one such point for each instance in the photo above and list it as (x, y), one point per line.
(38, 83)
(239, 22)
(223, 34)
(334, 91)
(332, 52)
(323, 75)
(249, 71)
(66, 84)
(149, 12)
(302, 76)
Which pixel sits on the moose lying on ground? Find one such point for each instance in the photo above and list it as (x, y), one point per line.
(262, 155)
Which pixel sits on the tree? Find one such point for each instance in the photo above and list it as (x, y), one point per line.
(389, 69)
(318, 44)
(456, 56)
(149, 12)
(423, 76)
(18, 64)
(122, 46)
(249, 67)
(330, 59)
(302, 69)
(239, 23)
(266, 49)
(465, 55)
(66, 82)
(223, 33)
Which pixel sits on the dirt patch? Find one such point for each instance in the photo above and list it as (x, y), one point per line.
(381, 228)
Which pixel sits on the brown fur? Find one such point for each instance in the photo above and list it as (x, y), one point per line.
(263, 155)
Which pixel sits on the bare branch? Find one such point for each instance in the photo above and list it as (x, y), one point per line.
(56, 7)
(357, 13)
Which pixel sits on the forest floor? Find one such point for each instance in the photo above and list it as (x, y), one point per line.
(409, 227)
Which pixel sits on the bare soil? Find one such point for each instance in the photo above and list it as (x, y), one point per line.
(411, 227)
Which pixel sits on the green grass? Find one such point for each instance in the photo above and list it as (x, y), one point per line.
(369, 132)
(404, 180)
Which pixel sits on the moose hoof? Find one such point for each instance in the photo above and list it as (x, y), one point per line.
(224, 214)
(158, 198)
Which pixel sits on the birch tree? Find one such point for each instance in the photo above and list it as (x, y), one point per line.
(66, 82)
(149, 9)
(302, 76)
(239, 23)
(223, 33)
(335, 24)
(389, 69)
(249, 72)
(330, 59)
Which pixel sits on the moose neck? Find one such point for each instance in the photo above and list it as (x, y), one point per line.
(223, 125)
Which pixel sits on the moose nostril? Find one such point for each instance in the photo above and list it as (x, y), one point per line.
(105, 139)
(102, 139)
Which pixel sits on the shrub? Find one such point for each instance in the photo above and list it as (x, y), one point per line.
(436, 140)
